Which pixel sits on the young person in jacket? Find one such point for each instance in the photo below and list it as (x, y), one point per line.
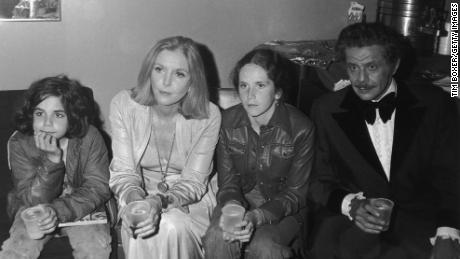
(60, 161)
(264, 159)
(164, 132)
(382, 138)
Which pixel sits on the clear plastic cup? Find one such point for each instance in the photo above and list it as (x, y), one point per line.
(31, 217)
(137, 211)
(232, 214)
(385, 207)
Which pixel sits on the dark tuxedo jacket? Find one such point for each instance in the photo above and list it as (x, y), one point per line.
(425, 162)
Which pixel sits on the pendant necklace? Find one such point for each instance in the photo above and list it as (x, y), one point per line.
(163, 186)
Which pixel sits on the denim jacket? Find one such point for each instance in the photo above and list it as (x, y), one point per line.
(278, 160)
(37, 180)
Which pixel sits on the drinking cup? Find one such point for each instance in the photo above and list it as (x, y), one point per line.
(31, 217)
(137, 211)
(385, 207)
(232, 214)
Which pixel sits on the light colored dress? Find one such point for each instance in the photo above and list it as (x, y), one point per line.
(135, 162)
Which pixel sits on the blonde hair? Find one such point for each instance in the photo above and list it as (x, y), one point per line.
(195, 104)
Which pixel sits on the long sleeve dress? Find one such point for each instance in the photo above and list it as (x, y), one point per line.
(135, 168)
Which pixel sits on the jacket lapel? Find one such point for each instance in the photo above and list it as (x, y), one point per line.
(407, 121)
(354, 126)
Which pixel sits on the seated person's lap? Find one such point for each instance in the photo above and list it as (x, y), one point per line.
(90, 239)
(266, 238)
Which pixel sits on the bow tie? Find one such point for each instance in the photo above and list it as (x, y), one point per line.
(386, 106)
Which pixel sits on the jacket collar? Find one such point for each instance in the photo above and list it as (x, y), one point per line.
(280, 118)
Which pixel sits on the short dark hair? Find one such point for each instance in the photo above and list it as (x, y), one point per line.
(75, 98)
(195, 104)
(367, 34)
(271, 61)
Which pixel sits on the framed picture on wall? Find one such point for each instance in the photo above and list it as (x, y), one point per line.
(30, 10)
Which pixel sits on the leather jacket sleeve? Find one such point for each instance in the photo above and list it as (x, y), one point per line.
(92, 189)
(229, 179)
(35, 179)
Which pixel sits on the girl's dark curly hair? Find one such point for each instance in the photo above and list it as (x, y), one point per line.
(75, 98)
(271, 61)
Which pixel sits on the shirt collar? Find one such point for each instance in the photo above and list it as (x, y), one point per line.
(279, 119)
(391, 89)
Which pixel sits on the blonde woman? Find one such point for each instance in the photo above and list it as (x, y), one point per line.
(164, 133)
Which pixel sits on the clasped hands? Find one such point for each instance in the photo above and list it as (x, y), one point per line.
(366, 216)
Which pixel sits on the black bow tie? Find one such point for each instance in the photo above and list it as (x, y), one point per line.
(386, 106)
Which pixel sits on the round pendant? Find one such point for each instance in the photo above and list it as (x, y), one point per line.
(162, 187)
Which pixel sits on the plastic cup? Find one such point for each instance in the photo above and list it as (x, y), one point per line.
(137, 211)
(31, 217)
(232, 214)
(385, 207)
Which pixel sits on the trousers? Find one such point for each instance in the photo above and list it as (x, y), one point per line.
(87, 241)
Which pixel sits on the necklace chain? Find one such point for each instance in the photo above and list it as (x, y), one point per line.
(163, 186)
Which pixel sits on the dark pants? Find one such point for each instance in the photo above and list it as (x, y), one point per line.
(268, 241)
(336, 237)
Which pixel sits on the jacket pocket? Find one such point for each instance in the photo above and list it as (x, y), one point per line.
(283, 151)
(236, 148)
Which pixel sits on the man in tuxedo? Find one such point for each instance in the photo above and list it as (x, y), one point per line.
(380, 138)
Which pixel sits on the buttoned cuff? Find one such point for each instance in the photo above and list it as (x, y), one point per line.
(345, 208)
(445, 233)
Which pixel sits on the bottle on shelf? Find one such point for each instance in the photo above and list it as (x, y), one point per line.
(443, 45)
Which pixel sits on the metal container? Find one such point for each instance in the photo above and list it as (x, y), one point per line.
(408, 18)
(403, 15)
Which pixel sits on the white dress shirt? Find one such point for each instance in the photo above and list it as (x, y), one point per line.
(381, 134)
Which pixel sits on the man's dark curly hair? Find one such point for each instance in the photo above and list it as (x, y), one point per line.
(75, 98)
(367, 34)
(271, 61)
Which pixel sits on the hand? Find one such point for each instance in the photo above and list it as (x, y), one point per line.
(49, 223)
(49, 145)
(366, 217)
(247, 227)
(149, 226)
(445, 248)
